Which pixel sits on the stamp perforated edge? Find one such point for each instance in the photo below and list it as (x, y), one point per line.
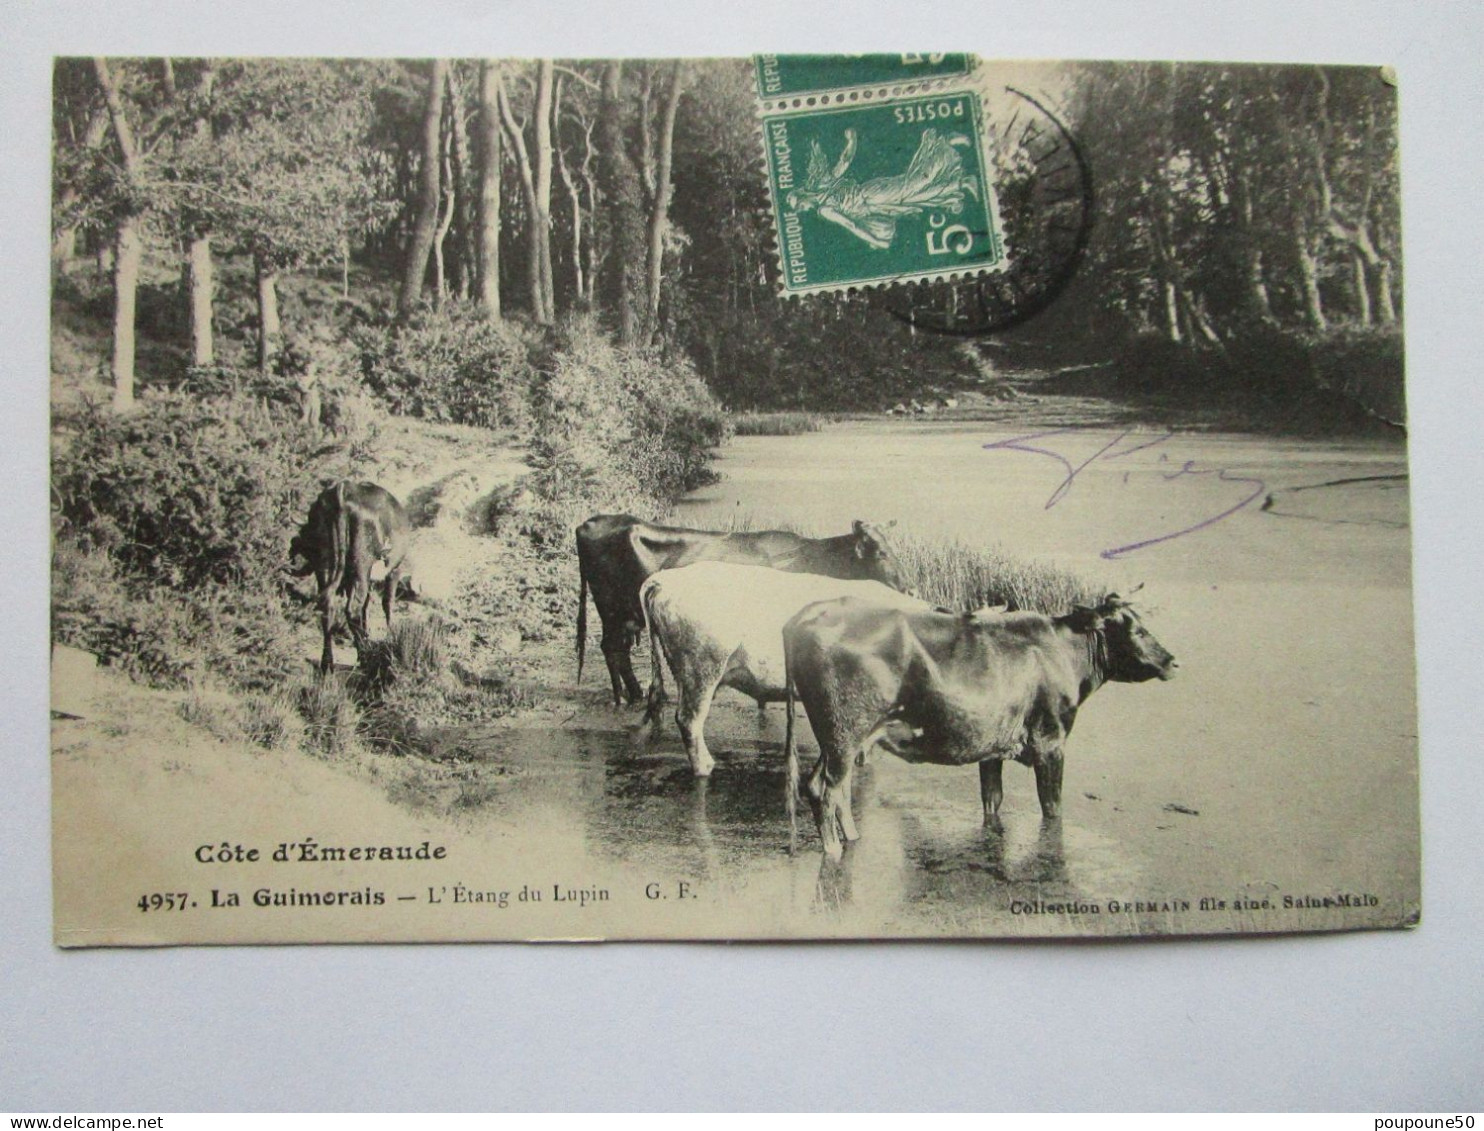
(912, 88)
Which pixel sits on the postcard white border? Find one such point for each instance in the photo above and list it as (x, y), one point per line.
(1378, 1020)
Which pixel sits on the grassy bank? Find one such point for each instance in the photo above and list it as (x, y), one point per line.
(172, 522)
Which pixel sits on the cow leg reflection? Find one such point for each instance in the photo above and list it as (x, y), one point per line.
(690, 716)
(832, 806)
(1048, 782)
(832, 885)
(1050, 864)
(991, 787)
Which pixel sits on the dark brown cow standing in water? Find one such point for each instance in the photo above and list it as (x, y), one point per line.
(616, 553)
(951, 689)
(350, 527)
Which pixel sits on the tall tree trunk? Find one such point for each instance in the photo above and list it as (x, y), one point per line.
(445, 221)
(660, 217)
(517, 139)
(64, 239)
(574, 198)
(489, 189)
(1383, 292)
(646, 133)
(1254, 282)
(128, 250)
(589, 180)
(269, 330)
(1171, 309)
(1257, 286)
(127, 254)
(421, 243)
(466, 251)
(201, 286)
(542, 114)
(1362, 289)
(622, 226)
(1196, 321)
(1308, 267)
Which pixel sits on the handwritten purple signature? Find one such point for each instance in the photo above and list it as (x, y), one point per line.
(1113, 451)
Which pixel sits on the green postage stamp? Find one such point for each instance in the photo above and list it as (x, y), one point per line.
(869, 190)
(783, 76)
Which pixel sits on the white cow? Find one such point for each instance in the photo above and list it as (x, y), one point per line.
(721, 623)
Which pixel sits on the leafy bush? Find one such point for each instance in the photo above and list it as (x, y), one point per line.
(93, 609)
(613, 426)
(185, 493)
(1365, 365)
(163, 636)
(809, 356)
(453, 365)
(1344, 380)
(172, 525)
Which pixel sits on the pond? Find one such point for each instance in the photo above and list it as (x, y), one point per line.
(1280, 762)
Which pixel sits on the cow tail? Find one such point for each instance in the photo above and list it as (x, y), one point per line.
(657, 661)
(339, 538)
(791, 752)
(581, 610)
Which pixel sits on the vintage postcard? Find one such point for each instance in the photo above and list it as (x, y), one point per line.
(801, 497)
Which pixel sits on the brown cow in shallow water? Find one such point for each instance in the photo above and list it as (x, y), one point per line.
(616, 553)
(951, 689)
(350, 527)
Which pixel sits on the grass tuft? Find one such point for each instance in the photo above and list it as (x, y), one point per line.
(272, 722)
(777, 423)
(214, 711)
(332, 721)
(958, 576)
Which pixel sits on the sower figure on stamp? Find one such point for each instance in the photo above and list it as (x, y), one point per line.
(935, 179)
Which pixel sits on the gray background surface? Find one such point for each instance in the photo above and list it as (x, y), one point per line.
(1381, 1021)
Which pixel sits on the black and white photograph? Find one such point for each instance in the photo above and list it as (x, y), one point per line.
(515, 499)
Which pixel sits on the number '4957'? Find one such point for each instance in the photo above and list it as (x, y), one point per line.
(163, 901)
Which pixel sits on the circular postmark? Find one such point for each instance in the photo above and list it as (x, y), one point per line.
(1044, 187)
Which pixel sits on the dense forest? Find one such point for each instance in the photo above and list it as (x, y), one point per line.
(250, 208)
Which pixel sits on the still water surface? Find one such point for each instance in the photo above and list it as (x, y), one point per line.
(1282, 760)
